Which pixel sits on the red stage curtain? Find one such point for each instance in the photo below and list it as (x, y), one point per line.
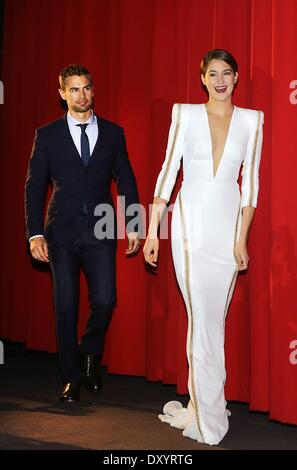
(144, 56)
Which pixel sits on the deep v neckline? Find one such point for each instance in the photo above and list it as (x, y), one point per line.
(214, 175)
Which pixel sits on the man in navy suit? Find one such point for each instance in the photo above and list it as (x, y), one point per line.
(79, 154)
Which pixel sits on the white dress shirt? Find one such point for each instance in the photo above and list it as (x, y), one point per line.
(91, 131)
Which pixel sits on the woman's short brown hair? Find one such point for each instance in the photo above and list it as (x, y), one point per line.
(219, 54)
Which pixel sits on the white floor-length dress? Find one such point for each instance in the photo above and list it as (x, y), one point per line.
(205, 225)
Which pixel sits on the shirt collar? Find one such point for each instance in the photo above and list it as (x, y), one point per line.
(73, 122)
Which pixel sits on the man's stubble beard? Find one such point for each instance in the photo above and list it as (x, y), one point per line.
(83, 109)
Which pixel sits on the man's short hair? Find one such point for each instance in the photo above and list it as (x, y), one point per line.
(71, 70)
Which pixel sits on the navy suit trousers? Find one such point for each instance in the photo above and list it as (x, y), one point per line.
(97, 260)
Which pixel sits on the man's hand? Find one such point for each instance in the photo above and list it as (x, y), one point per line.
(133, 243)
(38, 248)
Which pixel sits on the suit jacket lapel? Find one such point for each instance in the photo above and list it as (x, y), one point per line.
(69, 141)
(101, 140)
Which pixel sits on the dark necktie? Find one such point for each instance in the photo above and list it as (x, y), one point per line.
(84, 144)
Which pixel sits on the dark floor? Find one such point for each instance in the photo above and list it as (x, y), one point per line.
(122, 417)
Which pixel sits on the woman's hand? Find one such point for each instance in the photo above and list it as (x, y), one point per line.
(241, 255)
(151, 251)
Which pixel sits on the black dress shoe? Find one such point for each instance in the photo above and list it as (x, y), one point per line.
(91, 375)
(70, 393)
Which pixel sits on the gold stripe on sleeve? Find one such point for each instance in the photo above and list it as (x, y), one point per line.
(171, 151)
(253, 161)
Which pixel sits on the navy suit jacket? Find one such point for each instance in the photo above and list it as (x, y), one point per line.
(77, 189)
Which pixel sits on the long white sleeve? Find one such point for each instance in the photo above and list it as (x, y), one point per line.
(167, 176)
(251, 163)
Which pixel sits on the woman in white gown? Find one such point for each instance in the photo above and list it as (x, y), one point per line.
(210, 225)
